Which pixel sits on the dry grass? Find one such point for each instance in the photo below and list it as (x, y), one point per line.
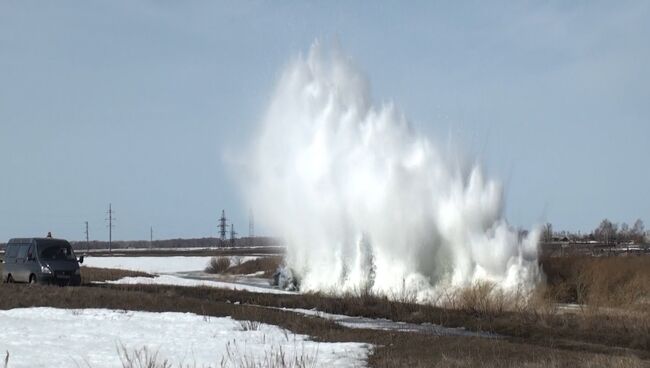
(614, 282)
(141, 358)
(218, 265)
(538, 334)
(527, 348)
(236, 357)
(530, 324)
(274, 357)
(537, 362)
(93, 274)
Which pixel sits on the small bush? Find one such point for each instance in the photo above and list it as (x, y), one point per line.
(249, 325)
(268, 265)
(274, 357)
(218, 265)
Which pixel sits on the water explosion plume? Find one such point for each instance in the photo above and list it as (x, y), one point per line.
(365, 203)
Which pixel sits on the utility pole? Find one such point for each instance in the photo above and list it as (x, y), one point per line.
(150, 236)
(223, 227)
(233, 234)
(251, 227)
(251, 224)
(87, 239)
(110, 220)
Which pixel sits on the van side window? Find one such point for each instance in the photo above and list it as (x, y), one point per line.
(22, 251)
(12, 250)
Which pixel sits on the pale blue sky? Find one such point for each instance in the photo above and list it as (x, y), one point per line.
(138, 102)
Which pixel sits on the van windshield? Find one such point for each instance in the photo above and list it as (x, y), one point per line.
(56, 252)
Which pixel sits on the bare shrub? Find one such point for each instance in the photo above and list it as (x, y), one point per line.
(618, 282)
(249, 325)
(267, 265)
(481, 299)
(275, 357)
(405, 294)
(218, 265)
(141, 358)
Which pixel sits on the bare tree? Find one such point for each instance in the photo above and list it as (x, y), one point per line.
(638, 231)
(606, 231)
(547, 232)
(624, 233)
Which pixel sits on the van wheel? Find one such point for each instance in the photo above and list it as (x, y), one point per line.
(32, 279)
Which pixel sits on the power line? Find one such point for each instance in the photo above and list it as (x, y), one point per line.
(110, 220)
(87, 239)
(251, 224)
(233, 235)
(251, 228)
(223, 227)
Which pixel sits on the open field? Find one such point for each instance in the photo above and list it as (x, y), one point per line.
(541, 333)
(393, 348)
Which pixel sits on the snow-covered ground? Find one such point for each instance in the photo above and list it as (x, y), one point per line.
(388, 325)
(181, 281)
(183, 271)
(49, 337)
(158, 265)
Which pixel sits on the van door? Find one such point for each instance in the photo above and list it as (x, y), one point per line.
(10, 259)
(22, 268)
(31, 264)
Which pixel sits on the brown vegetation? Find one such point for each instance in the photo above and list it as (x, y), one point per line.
(392, 348)
(614, 282)
(218, 265)
(94, 274)
(267, 265)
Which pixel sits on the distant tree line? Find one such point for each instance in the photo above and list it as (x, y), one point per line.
(607, 232)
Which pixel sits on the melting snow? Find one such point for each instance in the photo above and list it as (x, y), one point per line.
(388, 325)
(157, 264)
(180, 281)
(50, 337)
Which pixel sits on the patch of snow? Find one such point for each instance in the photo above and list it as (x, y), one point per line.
(570, 307)
(237, 260)
(255, 274)
(50, 337)
(388, 325)
(157, 265)
(180, 281)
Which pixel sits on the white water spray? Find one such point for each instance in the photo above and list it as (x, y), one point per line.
(363, 202)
